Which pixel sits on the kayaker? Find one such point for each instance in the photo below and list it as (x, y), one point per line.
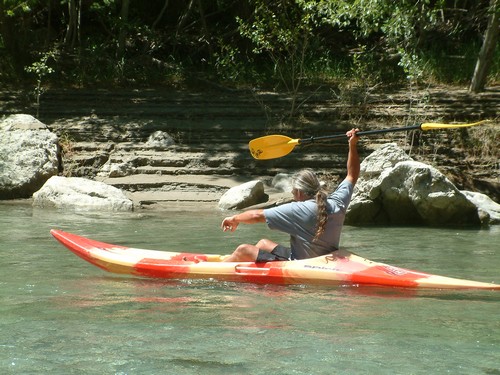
(314, 221)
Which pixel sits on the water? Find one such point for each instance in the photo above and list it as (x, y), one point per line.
(61, 315)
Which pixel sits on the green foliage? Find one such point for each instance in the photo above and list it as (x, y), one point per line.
(384, 25)
(14, 7)
(40, 69)
(285, 44)
(282, 31)
(228, 62)
(412, 66)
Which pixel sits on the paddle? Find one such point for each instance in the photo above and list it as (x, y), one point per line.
(276, 146)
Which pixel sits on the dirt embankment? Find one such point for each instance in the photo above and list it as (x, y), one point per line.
(212, 130)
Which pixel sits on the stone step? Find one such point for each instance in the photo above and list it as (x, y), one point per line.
(190, 182)
(144, 198)
(176, 171)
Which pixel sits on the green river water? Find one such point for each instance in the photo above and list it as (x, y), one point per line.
(61, 315)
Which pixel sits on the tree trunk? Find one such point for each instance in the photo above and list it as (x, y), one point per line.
(206, 34)
(70, 37)
(487, 52)
(162, 12)
(73, 29)
(184, 17)
(49, 22)
(122, 37)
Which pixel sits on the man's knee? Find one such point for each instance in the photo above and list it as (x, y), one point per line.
(244, 248)
(246, 251)
(265, 244)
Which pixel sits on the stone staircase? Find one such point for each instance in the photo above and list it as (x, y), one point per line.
(211, 133)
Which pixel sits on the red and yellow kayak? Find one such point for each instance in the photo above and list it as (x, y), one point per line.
(340, 267)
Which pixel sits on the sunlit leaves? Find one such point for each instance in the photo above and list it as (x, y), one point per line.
(13, 7)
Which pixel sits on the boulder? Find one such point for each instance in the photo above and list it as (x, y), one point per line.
(28, 156)
(489, 210)
(81, 194)
(121, 169)
(386, 157)
(160, 140)
(395, 190)
(244, 195)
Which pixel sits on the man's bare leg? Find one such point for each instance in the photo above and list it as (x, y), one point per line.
(248, 253)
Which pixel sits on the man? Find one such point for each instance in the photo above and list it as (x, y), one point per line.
(314, 221)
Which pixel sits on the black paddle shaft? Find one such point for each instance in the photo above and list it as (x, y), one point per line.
(367, 132)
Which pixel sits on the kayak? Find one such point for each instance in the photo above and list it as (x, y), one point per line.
(338, 268)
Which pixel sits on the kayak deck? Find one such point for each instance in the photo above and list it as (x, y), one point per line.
(340, 267)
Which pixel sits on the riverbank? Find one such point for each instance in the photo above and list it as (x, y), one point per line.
(211, 130)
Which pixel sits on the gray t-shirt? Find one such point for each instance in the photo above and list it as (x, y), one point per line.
(299, 220)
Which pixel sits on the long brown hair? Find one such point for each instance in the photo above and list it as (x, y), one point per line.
(307, 182)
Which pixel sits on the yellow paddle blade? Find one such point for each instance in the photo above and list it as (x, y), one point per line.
(431, 126)
(271, 146)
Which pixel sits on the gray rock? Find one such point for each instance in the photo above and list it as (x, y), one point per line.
(387, 156)
(28, 156)
(394, 189)
(112, 169)
(81, 194)
(244, 195)
(160, 140)
(489, 210)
